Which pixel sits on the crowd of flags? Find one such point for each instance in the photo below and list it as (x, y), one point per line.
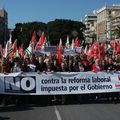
(11, 50)
(93, 50)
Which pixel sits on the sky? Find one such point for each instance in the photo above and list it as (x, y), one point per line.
(20, 11)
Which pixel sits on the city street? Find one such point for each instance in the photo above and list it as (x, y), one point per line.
(62, 112)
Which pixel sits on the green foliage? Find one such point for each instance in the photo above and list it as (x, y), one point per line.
(61, 28)
(23, 32)
(54, 30)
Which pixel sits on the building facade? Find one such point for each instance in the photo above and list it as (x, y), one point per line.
(115, 24)
(107, 21)
(90, 22)
(3, 26)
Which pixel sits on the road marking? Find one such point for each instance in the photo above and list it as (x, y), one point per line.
(57, 113)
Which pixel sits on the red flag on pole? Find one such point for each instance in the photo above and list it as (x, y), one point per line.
(41, 42)
(76, 42)
(95, 43)
(101, 53)
(33, 39)
(90, 53)
(42, 38)
(59, 56)
(21, 51)
(14, 49)
(15, 46)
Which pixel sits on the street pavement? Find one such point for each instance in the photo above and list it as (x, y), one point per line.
(94, 111)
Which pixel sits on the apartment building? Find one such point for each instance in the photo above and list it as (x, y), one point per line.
(107, 21)
(3, 26)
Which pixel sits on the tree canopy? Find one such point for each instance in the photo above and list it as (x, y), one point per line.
(54, 30)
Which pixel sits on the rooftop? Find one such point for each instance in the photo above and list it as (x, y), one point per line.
(94, 13)
(113, 7)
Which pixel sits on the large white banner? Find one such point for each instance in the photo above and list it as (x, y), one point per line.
(57, 83)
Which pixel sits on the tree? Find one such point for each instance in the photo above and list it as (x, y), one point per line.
(60, 28)
(54, 30)
(23, 32)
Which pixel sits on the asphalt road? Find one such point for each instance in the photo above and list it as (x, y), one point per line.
(61, 112)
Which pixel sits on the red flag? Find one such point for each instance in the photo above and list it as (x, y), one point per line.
(76, 42)
(42, 38)
(95, 43)
(33, 39)
(59, 56)
(103, 44)
(21, 51)
(96, 49)
(41, 41)
(14, 49)
(112, 43)
(5, 53)
(101, 54)
(11, 55)
(115, 45)
(90, 53)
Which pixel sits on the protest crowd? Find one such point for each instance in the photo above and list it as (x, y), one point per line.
(96, 58)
